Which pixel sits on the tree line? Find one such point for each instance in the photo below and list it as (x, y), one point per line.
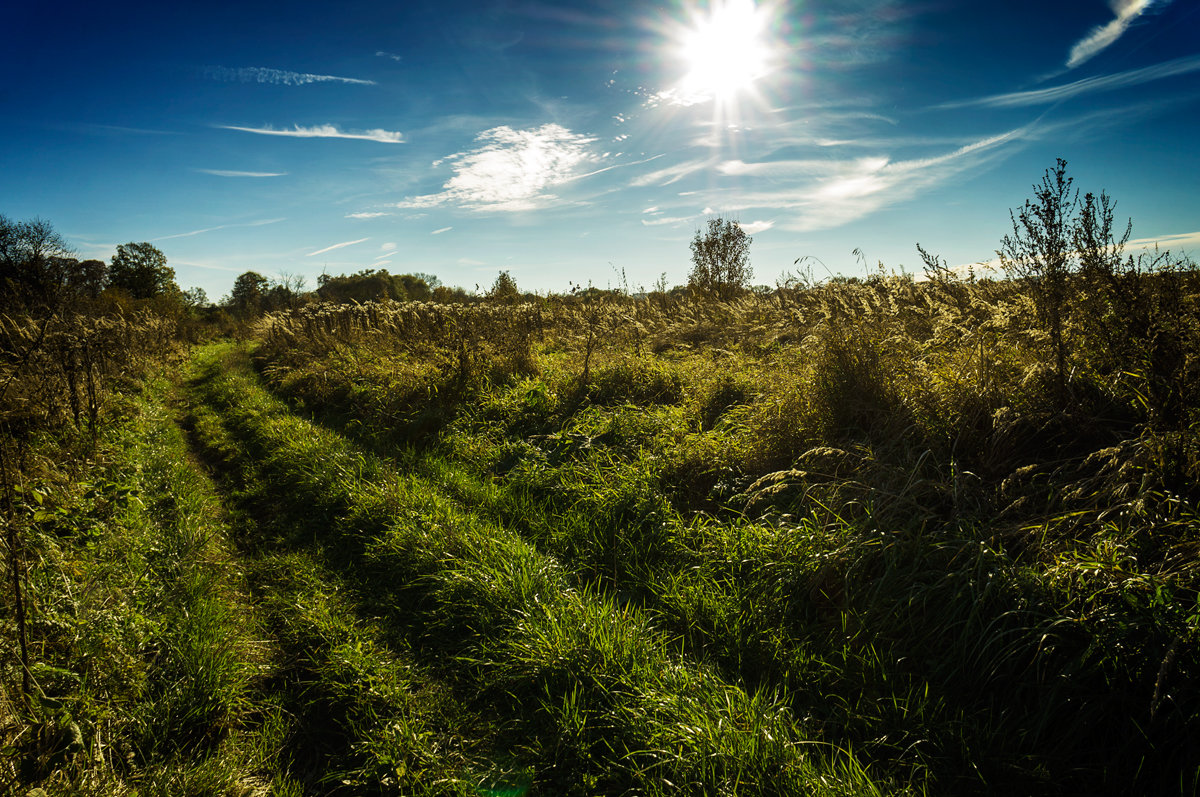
(40, 274)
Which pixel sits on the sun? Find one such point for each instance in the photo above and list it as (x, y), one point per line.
(725, 50)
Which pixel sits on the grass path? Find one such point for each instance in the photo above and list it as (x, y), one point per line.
(448, 653)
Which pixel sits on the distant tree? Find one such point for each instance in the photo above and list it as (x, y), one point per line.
(194, 298)
(416, 288)
(370, 285)
(286, 291)
(246, 298)
(721, 259)
(504, 288)
(35, 263)
(141, 270)
(89, 278)
(447, 295)
(429, 279)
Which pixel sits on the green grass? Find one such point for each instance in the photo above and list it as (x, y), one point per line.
(142, 635)
(846, 540)
(859, 523)
(581, 689)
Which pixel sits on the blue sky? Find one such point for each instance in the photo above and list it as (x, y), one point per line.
(564, 142)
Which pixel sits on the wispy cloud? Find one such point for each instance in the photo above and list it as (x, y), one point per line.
(442, 230)
(808, 195)
(389, 246)
(337, 246)
(510, 170)
(209, 266)
(672, 174)
(1117, 80)
(218, 227)
(324, 131)
(1186, 241)
(118, 129)
(368, 214)
(231, 173)
(277, 77)
(662, 221)
(1102, 36)
(386, 54)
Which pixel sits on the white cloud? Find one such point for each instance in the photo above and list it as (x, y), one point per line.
(442, 230)
(324, 131)
(388, 246)
(510, 170)
(756, 227)
(367, 214)
(218, 227)
(1117, 80)
(231, 173)
(827, 194)
(671, 174)
(1185, 241)
(385, 54)
(336, 246)
(381, 263)
(1102, 36)
(278, 77)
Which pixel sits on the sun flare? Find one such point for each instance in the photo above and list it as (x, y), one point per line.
(725, 50)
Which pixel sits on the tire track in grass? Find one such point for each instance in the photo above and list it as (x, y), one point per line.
(353, 712)
(590, 696)
(763, 605)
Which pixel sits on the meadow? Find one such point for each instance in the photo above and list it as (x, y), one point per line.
(864, 536)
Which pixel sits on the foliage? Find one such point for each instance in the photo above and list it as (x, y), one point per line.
(504, 289)
(721, 259)
(37, 272)
(141, 270)
(246, 298)
(372, 285)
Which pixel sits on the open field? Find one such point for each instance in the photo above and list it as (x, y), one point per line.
(856, 538)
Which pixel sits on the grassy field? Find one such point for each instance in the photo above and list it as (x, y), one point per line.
(877, 537)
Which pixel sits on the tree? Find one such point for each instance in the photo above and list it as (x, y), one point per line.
(721, 259)
(367, 285)
(35, 263)
(194, 298)
(246, 298)
(1040, 252)
(416, 287)
(141, 270)
(505, 288)
(88, 278)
